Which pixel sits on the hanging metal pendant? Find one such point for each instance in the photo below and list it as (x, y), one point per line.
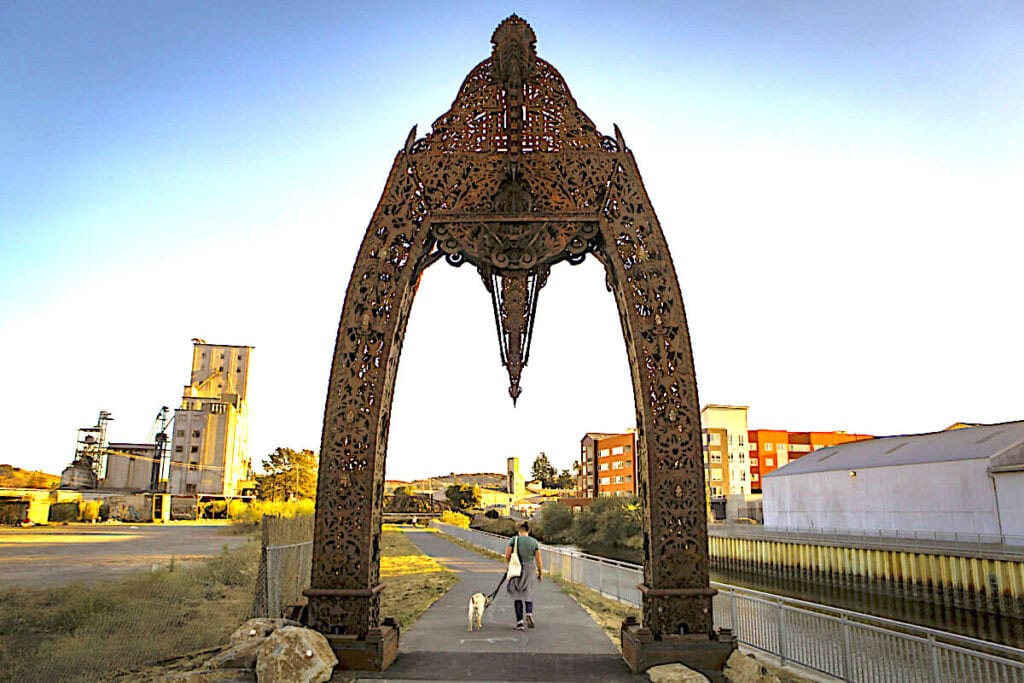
(514, 297)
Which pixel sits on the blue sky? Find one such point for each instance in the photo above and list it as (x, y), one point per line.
(839, 183)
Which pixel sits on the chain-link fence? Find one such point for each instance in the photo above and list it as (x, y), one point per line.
(286, 558)
(87, 631)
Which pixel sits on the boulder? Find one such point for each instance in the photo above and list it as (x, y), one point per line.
(293, 654)
(216, 676)
(259, 628)
(675, 673)
(244, 644)
(741, 668)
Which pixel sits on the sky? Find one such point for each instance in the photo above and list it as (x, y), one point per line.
(839, 184)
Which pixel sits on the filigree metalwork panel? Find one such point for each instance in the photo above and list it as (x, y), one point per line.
(671, 475)
(344, 594)
(513, 179)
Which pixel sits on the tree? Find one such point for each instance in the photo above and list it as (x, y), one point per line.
(555, 523)
(610, 521)
(543, 470)
(565, 480)
(463, 496)
(288, 475)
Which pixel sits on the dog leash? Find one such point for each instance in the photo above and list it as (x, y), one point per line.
(498, 587)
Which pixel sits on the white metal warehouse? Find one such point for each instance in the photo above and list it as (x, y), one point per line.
(961, 480)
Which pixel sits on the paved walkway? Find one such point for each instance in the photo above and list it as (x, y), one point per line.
(566, 645)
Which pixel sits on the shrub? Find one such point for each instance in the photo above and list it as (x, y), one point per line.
(455, 519)
(89, 510)
(492, 514)
(503, 526)
(252, 513)
(555, 523)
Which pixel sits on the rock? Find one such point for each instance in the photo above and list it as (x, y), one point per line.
(293, 654)
(675, 673)
(741, 668)
(240, 653)
(217, 676)
(259, 629)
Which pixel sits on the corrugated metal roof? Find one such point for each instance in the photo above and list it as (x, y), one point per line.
(959, 444)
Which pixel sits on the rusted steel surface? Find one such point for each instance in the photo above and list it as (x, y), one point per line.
(513, 179)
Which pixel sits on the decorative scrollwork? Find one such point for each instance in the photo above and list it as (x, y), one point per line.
(513, 179)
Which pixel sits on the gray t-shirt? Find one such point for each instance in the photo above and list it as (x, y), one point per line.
(527, 548)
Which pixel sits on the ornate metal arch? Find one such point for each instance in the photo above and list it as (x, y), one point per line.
(512, 179)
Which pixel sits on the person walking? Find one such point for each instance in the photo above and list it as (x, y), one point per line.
(520, 588)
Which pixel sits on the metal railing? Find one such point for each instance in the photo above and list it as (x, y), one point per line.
(940, 541)
(848, 645)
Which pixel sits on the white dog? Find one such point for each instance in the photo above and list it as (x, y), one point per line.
(477, 604)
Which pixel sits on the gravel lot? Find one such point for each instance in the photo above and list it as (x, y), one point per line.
(57, 555)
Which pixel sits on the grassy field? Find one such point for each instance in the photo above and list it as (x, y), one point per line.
(413, 581)
(84, 633)
(80, 632)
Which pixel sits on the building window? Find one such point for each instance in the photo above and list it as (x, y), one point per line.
(181, 432)
(618, 480)
(195, 433)
(195, 449)
(618, 465)
(716, 457)
(179, 449)
(604, 481)
(753, 460)
(716, 474)
(190, 488)
(603, 466)
(192, 467)
(767, 446)
(753, 476)
(629, 477)
(769, 462)
(618, 450)
(741, 439)
(629, 449)
(603, 453)
(781, 447)
(716, 439)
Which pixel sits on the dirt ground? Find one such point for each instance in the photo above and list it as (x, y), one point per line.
(57, 555)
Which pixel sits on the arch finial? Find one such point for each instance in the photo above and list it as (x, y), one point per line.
(514, 54)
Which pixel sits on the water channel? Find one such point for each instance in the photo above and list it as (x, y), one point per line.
(877, 599)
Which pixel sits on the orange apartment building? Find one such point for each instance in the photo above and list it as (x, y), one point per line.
(771, 449)
(607, 465)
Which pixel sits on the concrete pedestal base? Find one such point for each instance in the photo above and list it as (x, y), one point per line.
(702, 652)
(374, 653)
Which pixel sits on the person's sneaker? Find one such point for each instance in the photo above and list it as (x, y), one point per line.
(520, 627)
(529, 620)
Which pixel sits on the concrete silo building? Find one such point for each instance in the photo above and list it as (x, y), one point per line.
(209, 447)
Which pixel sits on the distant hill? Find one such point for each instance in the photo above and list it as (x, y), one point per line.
(16, 478)
(485, 479)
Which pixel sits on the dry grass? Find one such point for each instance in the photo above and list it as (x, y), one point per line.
(609, 614)
(413, 581)
(82, 632)
(85, 633)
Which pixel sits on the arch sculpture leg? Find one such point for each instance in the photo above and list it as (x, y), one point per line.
(344, 593)
(677, 614)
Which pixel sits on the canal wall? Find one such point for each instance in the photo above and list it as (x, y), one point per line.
(985, 581)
